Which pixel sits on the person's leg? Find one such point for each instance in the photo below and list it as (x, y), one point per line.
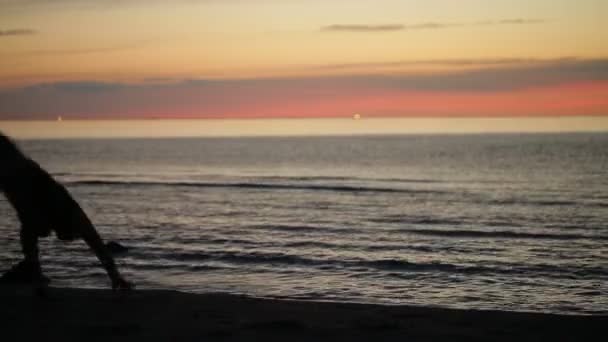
(28, 270)
(29, 246)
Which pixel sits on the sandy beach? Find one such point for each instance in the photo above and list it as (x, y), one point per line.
(146, 315)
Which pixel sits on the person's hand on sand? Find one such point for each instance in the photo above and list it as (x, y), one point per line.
(120, 284)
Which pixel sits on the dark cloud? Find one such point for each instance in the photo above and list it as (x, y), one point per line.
(387, 27)
(424, 26)
(510, 77)
(363, 28)
(17, 32)
(77, 87)
(521, 21)
(446, 62)
(220, 96)
(430, 26)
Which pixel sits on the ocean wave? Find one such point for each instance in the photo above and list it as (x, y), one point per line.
(259, 186)
(357, 247)
(393, 265)
(534, 202)
(348, 178)
(84, 175)
(417, 220)
(380, 245)
(294, 178)
(305, 229)
(242, 257)
(438, 221)
(541, 202)
(503, 234)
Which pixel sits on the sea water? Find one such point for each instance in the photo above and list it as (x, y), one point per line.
(510, 222)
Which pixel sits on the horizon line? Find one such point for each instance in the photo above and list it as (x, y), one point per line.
(275, 127)
(360, 117)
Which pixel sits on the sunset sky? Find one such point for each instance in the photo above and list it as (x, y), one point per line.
(302, 58)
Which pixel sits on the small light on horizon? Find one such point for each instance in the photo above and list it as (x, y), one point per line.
(59, 119)
(356, 116)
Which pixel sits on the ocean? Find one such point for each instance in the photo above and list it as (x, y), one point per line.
(515, 222)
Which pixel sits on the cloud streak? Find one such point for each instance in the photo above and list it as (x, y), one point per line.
(521, 21)
(464, 62)
(81, 51)
(424, 26)
(363, 28)
(17, 32)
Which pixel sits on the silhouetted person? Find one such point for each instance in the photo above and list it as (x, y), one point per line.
(43, 205)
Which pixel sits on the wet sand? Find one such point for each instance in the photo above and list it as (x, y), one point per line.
(147, 315)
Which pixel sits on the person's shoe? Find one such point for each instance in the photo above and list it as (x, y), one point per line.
(25, 273)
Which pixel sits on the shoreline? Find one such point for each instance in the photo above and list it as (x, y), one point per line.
(163, 315)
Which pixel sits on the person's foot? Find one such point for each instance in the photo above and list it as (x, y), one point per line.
(25, 273)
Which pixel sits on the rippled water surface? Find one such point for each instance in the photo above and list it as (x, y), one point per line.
(512, 222)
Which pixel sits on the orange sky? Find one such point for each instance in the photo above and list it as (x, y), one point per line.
(293, 58)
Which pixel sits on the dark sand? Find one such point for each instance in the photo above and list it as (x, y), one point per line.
(101, 315)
